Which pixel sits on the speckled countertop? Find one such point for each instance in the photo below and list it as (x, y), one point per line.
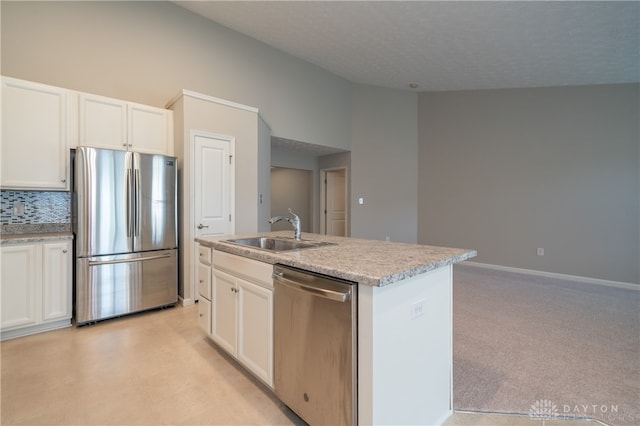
(369, 262)
(19, 233)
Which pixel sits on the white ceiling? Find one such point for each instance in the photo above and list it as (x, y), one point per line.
(452, 45)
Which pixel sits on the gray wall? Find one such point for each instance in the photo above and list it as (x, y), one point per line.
(508, 171)
(147, 52)
(291, 189)
(303, 161)
(384, 164)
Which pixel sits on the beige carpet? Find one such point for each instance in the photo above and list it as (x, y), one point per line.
(525, 344)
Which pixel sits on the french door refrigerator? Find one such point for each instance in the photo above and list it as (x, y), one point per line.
(126, 232)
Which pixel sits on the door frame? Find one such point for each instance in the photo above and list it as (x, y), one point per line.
(323, 200)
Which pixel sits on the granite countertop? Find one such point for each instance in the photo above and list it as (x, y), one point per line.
(368, 262)
(28, 233)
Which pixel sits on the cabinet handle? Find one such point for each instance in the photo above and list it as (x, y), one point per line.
(63, 180)
(124, 144)
(201, 281)
(64, 251)
(200, 226)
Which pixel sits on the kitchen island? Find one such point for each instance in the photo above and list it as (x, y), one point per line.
(404, 335)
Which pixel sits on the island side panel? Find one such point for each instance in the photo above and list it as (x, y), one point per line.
(405, 360)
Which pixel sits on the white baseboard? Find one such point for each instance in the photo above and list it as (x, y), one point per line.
(34, 329)
(185, 302)
(596, 281)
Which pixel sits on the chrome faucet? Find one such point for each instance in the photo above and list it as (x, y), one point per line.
(293, 220)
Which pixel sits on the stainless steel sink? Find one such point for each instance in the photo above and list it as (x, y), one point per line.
(277, 245)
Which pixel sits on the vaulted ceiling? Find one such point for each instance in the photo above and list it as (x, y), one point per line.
(448, 45)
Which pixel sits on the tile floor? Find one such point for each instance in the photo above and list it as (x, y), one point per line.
(149, 369)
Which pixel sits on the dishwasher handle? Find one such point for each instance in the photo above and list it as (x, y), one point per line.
(337, 296)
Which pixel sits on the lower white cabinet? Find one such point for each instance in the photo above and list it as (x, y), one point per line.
(36, 287)
(224, 330)
(204, 315)
(242, 311)
(203, 279)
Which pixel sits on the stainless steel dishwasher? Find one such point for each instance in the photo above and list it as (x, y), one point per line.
(315, 346)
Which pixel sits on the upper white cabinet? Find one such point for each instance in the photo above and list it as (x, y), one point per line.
(40, 123)
(115, 124)
(103, 122)
(34, 136)
(150, 129)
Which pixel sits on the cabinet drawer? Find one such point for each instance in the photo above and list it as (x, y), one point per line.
(255, 271)
(204, 254)
(204, 315)
(204, 281)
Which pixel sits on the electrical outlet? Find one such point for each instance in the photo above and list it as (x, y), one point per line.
(417, 309)
(17, 209)
(361, 201)
(540, 252)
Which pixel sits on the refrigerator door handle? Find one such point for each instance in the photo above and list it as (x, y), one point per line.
(138, 259)
(136, 174)
(128, 202)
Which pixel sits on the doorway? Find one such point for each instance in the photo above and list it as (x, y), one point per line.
(333, 198)
(291, 189)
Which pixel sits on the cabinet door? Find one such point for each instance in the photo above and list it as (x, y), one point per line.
(149, 129)
(34, 145)
(20, 276)
(204, 281)
(56, 281)
(224, 312)
(204, 315)
(103, 122)
(255, 329)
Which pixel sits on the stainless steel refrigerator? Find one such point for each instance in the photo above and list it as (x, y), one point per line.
(126, 232)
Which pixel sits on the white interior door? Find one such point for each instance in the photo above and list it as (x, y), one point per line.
(213, 184)
(335, 202)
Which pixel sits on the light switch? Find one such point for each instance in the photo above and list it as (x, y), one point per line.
(361, 201)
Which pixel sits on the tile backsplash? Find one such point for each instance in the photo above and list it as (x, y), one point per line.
(33, 207)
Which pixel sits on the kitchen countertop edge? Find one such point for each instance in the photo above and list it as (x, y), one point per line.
(321, 260)
(34, 238)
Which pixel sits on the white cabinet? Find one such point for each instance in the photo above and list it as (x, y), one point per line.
(255, 328)
(103, 122)
(56, 281)
(242, 312)
(40, 123)
(204, 287)
(34, 136)
(36, 287)
(19, 283)
(224, 329)
(116, 124)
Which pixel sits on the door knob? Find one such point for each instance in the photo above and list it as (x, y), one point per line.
(200, 226)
